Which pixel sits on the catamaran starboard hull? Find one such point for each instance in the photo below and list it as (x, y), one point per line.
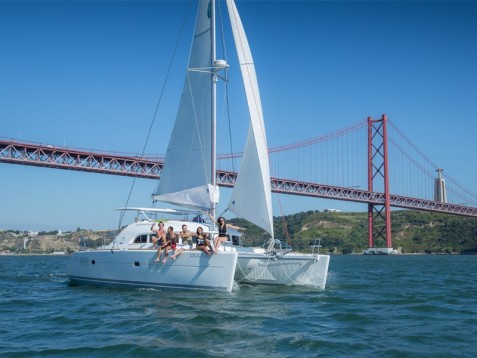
(291, 269)
(137, 269)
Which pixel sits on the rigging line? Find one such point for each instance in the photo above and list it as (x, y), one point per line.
(227, 103)
(224, 48)
(285, 227)
(159, 101)
(308, 275)
(246, 276)
(230, 124)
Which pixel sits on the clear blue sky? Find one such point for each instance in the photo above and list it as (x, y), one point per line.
(88, 74)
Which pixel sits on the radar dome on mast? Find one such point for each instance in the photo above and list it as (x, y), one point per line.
(220, 64)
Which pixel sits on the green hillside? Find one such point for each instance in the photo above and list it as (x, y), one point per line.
(412, 231)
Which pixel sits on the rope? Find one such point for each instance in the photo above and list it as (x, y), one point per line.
(246, 276)
(159, 101)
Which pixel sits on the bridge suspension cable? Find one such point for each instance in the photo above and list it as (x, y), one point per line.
(332, 166)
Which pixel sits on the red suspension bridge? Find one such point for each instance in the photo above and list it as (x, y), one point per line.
(359, 160)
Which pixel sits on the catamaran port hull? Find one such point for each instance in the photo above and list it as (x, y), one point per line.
(138, 269)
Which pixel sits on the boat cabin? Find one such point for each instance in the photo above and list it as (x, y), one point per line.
(138, 235)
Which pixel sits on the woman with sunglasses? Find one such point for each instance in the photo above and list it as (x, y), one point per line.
(222, 225)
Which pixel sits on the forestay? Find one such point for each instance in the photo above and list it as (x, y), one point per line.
(251, 198)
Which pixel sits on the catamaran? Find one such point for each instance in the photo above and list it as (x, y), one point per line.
(189, 181)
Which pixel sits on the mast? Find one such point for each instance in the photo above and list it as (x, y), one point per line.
(213, 109)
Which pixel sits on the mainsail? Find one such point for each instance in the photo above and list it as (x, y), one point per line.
(186, 178)
(251, 198)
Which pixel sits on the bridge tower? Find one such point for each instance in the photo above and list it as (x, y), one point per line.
(379, 215)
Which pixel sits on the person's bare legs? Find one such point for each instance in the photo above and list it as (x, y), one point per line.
(218, 242)
(159, 251)
(177, 253)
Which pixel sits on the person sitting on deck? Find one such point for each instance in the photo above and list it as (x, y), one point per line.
(160, 233)
(222, 227)
(203, 243)
(185, 234)
(168, 244)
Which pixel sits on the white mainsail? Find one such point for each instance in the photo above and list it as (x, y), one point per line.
(251, 198)
(186, 178)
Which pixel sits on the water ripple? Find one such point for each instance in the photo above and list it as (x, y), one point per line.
(403, 306)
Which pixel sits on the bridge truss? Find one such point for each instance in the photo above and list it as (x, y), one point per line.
(48, 156)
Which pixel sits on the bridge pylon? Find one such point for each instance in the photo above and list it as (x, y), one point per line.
(379, 215)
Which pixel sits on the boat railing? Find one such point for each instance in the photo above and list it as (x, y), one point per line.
(275, 247)
(89, 244)
(315, 245)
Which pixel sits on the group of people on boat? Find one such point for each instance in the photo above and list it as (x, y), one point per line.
(166, 240)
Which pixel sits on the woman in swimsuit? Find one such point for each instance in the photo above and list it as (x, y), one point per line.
(203, 243)
(222, 234)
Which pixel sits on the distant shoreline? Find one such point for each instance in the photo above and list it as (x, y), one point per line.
(337, 254)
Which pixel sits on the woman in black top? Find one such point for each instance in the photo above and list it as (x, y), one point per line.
(222, 234)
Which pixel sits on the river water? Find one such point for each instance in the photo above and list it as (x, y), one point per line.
(395, 306)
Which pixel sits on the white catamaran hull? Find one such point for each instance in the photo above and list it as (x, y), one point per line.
(137, 269)
(290, 269)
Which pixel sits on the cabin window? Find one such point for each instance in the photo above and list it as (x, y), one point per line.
(141, 239)
(93, 262)
(235, 240)
(136, 263)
